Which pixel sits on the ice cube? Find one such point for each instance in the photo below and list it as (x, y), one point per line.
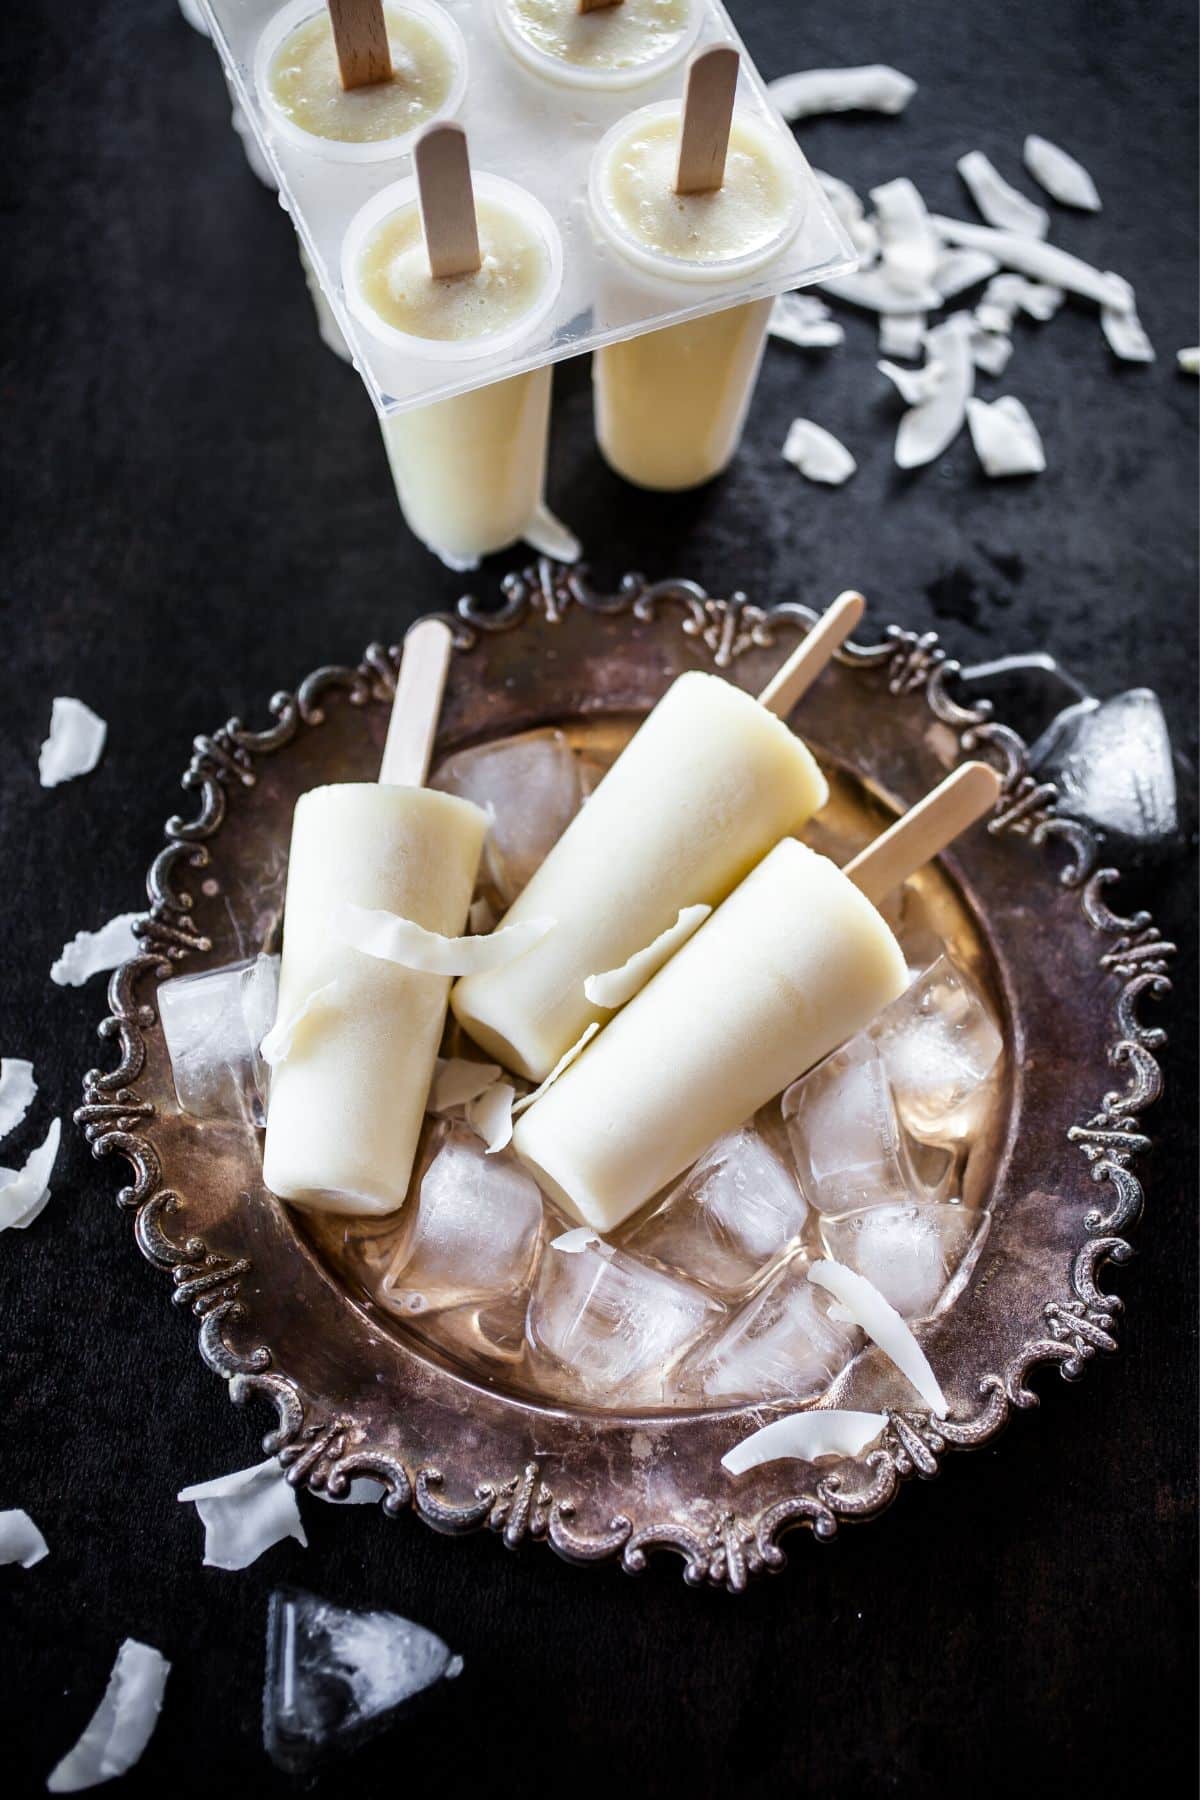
(780, 1345)
(531, 787)
(334, 1677)
(1112, 764)
(846, 1139)
(213, 1023)
(475, 1234)
(939, 1044)
(612, 1326)
(732, 1212)
(908, 1251)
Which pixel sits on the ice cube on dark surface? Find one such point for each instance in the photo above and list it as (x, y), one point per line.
(1112, 764)
(336, 1676)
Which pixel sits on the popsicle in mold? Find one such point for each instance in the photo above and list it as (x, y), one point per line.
(794, 962)
(712, 779)
(347, 1100)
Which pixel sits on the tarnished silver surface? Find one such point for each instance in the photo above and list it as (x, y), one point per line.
(352, 1396)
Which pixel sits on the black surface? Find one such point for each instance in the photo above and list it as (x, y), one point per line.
(197, 510)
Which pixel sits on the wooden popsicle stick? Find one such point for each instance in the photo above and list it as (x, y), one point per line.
(587, 6)
(447, 200)
(417, 705)
(795, 676)
(707, 115)
(361, 41)
(925, 829)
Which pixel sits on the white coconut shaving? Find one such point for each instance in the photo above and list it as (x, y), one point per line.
(914, 386)
(245, 1513)
(458, 1080)
(990, 350)
(276, 1047)
(575, 1242)
(17, 1091)
(1002, 205)
(872, 88)
(480, 917)
(490, 1114)
(902, 334)
(908, 245)
(25, 1191)
(20, 1540)
(932, 425)
(1007, 295)
(550, 537)
(560, 1068)
(122, 1724)
(1064, 179)
(876, 290)
(392, 939)
(804, 320)
(75, 743)
(851, 215)
(817, 454)
(958, 270)
(804, 1437)
(92, 952)
(1123, 329)
(866, 1307)
(1006, 439)
(616, 986)
(1030, 256)
(1189, 359)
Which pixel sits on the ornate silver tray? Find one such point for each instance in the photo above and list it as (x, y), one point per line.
(1025, 902)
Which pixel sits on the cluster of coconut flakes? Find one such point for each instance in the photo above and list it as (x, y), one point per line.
(914, 263)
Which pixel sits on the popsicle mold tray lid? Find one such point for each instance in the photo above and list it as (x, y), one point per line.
(346, 1390)
(540, 134)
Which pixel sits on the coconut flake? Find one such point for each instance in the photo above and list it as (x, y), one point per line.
(804, 320)
(1189, 359)
(876, 290)
(244, 1513)
(1007, 295)
(550, 537)
(902, 334)
(392, 939)
(850, 214)
(1006, 439)
(1030, 256)
(560, 1068)
(20, 1540)
(872, 88)
(480, 917)
(958, 270)
(1064, 179)
(122, 1724)
(1003, 206)
(75, 743)
(908, 244)
(458, 1080)
(490, 1114)
(17, 1089)
(915, 386)
(932, 425)
(91, 952)
(25, 1191)
(804, 1437)
(574, 1243)
(817, 453)
(616, 986)
(990, 350)
(1123, 329)
(276, 1047)
(869, 1310)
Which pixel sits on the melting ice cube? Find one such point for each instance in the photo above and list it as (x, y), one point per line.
(531, 787)
(909, 1252)
(1113, 766)
(476, 1233)
(844, 1133)
(782, 1344)
(613, 1325)
(336, 1676)
(939, 1044)
(732, 1212)
(213, 1023)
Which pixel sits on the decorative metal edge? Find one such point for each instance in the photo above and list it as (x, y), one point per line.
(720, 1547)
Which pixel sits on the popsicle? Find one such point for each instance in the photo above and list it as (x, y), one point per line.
(793, 963)
(599, 43)
(347, 1100)
(712, 779)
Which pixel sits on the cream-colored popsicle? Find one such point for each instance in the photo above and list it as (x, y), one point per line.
(605, 46)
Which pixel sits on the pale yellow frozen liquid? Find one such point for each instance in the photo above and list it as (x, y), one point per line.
(469, 471)
(614, 38)
(670, 405)
(794, 962)
(306, 87)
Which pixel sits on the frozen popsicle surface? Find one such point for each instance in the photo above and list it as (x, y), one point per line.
(707, 786)
(347, 1100)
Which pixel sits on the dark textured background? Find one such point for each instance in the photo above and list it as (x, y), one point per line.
(197, 510)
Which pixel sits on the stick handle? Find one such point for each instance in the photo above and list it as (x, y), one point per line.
(795, 676)
(925, 829)
(587, 6)
(707, 115)
(361, 41)
(447, 200)
(417, 705)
